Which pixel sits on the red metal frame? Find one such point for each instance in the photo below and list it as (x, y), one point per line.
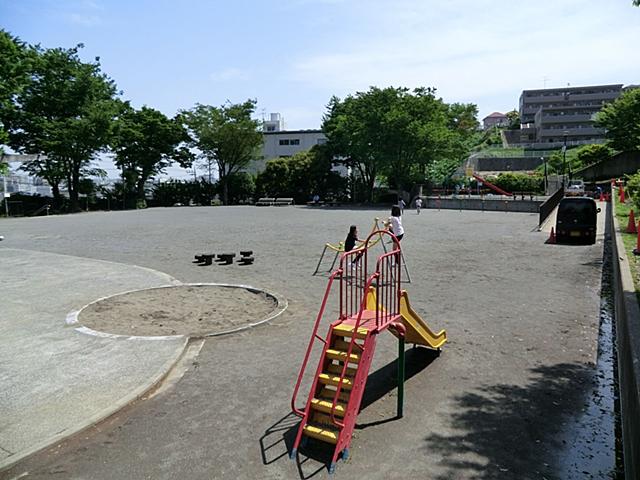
(314, 336)
(355, 283)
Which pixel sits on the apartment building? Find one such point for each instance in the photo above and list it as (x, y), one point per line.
(552, 116)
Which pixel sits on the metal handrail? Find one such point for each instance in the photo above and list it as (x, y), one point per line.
(314, 336)
(363, 304)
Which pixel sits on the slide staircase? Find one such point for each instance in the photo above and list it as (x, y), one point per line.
(368, 305)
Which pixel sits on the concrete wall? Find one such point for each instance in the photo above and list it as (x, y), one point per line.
(505, 164)
(489, 205)
(627, 314)
(622, 164)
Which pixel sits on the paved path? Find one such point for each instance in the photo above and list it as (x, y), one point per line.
(55, 380)
(522, 319)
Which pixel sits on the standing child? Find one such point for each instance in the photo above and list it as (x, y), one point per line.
(418, 205)
(395, 222)
(401, 205)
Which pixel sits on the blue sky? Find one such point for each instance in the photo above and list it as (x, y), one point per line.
(293, 55)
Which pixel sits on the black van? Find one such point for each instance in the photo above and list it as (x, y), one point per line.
(576, 220)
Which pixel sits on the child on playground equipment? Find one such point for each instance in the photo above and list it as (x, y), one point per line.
(394, 223)
(352, 238)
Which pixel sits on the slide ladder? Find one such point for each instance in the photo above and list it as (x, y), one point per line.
(347, 351)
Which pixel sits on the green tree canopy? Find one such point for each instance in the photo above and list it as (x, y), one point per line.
(300, 176)
(397, 133)
(145, 142)
(65, 113)
(621, 118)
(590, 154)
(227, 135)
(15, 66)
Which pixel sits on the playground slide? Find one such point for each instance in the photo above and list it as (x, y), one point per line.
(417, 330)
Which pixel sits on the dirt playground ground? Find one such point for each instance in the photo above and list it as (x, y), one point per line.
(521, 317)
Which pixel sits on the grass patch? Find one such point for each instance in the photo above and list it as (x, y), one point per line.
(629, 240)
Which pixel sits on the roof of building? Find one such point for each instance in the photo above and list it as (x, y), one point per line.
(289, 132)
(495, 115)
(569, 88)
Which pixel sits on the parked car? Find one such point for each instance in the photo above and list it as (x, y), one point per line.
(576, 220)
(575, 188)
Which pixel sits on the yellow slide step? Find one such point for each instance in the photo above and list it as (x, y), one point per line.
(328, 394)
(329, 379)
(325, 406)
(342, 356)
(321, 433)
(337, 370)
(347, 331)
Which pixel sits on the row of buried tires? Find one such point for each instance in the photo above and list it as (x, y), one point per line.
(204, 259)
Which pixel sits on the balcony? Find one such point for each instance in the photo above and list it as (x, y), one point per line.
(563, 119)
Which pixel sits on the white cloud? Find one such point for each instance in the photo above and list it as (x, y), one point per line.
(481, 49)
(229, 74)
(86, 20)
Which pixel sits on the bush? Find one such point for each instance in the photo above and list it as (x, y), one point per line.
(518, 182)
(633, 188)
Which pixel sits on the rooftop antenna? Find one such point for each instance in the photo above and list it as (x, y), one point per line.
(544, 81)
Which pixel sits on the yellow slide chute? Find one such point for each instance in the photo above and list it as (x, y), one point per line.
(418, 332)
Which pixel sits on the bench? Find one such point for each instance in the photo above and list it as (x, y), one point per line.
(315, 204)
(280, 202)
(265, 202)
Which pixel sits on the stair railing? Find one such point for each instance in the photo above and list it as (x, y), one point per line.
(354, 336)
(388, 288)
(314, 336)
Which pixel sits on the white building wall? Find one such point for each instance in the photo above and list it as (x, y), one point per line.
(285, 144)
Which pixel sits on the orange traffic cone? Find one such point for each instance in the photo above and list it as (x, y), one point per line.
(552, 237)
(631, 226)
(621, 194)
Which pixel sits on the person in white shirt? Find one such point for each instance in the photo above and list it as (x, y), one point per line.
(418, 205)
(401, 205)
(394, 223)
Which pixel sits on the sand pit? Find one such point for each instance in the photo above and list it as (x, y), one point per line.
(193, 310)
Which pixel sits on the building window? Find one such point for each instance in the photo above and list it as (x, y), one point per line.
(271, 128)
(321, 141)
(295, 141)
(284, 141)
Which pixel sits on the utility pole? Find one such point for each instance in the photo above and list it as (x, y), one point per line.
(4, 194)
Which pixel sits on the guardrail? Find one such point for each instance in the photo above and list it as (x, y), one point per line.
(547, 207)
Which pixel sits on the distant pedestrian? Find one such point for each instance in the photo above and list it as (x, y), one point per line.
(401, 205)
(418, 205)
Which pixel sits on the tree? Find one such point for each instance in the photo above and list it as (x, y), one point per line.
(65, 113)
(300, 176)
(15, 65)
(397, 133)
(514, 119)
(145, 142)
(590, 154)
(227, 135)
(621, 118)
